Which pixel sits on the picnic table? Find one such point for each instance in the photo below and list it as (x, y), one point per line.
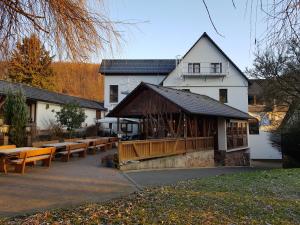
(88, 140)
(5, 153)
(59, 145)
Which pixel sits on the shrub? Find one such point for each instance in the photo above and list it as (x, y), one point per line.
(70, 116)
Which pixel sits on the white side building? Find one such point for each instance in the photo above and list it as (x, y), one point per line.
(42, 104)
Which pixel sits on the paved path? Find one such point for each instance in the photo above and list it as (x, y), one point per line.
(165, 177)
(64, 184)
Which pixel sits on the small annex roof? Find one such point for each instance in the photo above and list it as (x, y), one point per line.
(137, 66)
(189, 102)
(39, 94)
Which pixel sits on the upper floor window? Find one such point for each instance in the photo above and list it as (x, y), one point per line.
(251, 100)
(113, 93)
(194, 68)
(223, 95)
(216, 67)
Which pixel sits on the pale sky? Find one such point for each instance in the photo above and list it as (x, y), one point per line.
(173, 26)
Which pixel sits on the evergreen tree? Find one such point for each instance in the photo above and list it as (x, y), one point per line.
(31, 64)
(16, 115)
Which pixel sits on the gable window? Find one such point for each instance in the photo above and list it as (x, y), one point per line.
(196, 67)
(190, 68)
(113, 93)
(216, 67)
(223, 95)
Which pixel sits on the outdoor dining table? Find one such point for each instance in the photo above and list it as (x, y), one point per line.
(60, 145)
(88, 140)
(5, 153)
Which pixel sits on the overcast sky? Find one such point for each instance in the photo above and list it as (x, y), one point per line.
(171, 27)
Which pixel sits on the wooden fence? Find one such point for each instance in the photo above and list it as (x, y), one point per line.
(146, 149)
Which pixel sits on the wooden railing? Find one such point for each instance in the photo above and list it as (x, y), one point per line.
(146, 149)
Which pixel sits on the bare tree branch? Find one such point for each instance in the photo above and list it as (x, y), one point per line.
(212, 22)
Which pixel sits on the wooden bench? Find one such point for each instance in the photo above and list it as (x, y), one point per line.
(32, 156)
(3, 159)
(98, 145)
(79, 148)
(112, 142)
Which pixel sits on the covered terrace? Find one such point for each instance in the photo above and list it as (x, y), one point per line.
(175, 121)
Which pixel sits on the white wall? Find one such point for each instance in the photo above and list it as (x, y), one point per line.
(204, 51)
(261, 146)
(126, 84)
(44, 114)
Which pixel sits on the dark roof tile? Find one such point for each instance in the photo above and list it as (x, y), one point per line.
(137, 66)
(48, 96)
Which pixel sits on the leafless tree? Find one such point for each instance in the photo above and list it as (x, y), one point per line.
(70, 27)
(281, 18)
(280, 67)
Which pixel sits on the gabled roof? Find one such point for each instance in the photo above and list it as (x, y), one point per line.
(38, 94)
(189, 102)
(137, 66)
(205, 35)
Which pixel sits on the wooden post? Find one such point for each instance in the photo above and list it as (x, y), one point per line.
(118, 125)
(184, 126)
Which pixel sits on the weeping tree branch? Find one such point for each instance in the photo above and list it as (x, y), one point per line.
(71, 28)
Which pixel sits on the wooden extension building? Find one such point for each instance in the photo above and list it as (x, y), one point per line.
(178, 122)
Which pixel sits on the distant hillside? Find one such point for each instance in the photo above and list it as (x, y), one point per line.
(78, 79)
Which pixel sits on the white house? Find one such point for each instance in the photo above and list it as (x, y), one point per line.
(204, 69)
(42, 104)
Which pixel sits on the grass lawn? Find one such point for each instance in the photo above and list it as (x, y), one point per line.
(262, 197)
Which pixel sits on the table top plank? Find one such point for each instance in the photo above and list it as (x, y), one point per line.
(10, 151)
(59, 144)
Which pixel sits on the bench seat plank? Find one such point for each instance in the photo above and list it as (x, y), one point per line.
(30, 159)
(71, 151)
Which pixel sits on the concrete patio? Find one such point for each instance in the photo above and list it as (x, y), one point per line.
(84, 180)
(64, 184)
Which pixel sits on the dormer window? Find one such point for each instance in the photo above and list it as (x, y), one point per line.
(216, 67)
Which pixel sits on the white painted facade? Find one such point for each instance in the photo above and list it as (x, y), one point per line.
(126, 83)
(205, 53)
(45, 112)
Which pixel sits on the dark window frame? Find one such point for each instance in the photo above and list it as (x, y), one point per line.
(195, 69)
(216, 67)
(113, 94)
(223, 95)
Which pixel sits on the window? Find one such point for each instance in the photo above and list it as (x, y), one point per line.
(190, 68)
(250, 100)
(223, 95)
(126, 127)
(253, 126)
(236, 132)
(113, 93)
(196, 67)
(216, 67)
